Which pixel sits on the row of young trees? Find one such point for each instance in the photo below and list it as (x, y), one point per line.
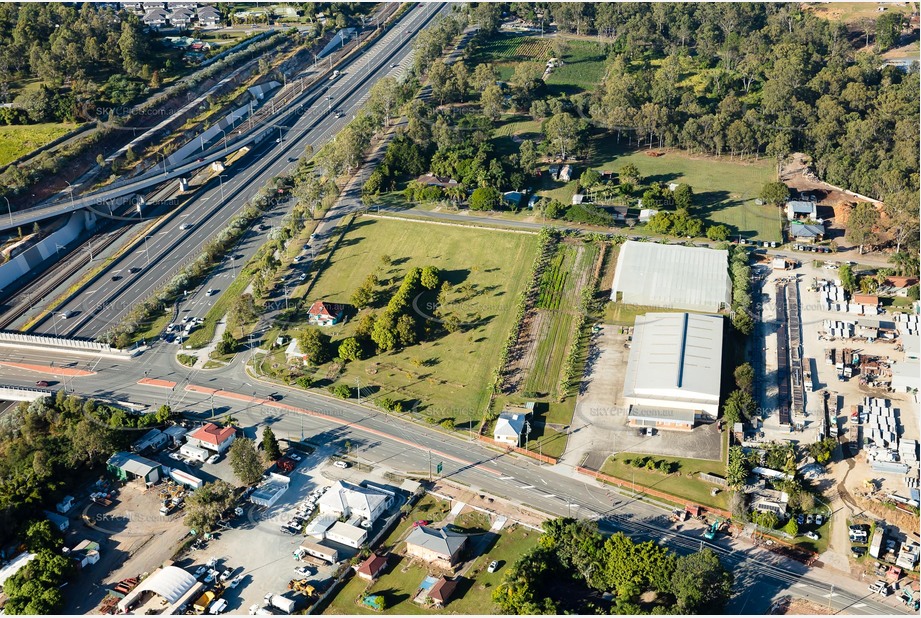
(572, 554)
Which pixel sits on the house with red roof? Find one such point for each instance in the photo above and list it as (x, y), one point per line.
(322, 313)
(372, 567)
(212, 437)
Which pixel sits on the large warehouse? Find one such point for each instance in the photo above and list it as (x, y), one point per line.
(673, 372)
(672, 276)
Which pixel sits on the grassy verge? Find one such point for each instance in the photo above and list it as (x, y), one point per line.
(18, 140)
(682, 484)
(187, 359)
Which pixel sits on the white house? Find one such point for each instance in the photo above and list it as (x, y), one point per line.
(347, 500)
(510, 426)
(212, 437)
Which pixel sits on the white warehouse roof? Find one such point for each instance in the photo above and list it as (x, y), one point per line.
(170, 582)
(675, 361)
(672, 276)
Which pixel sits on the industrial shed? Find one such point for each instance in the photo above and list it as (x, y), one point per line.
(128, 466)
(170, 582)
(672, 276)
(674, 367)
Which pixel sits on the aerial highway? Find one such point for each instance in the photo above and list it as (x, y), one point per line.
(181, 239)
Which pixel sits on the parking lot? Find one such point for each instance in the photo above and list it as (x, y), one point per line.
(260, 553)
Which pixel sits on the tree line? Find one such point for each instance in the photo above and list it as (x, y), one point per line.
(573, 565)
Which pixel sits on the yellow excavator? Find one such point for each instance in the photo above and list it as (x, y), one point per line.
(302, 585)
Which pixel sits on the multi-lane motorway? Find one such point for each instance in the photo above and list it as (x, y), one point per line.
(160, 256)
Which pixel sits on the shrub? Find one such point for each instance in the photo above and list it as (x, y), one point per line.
(341, 391)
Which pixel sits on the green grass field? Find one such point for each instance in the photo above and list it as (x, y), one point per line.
(17, 140)
(582, 69)
(448, 376)
(685, 486)
(400, 582)
(724, 190)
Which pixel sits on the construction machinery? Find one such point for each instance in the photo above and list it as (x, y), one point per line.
(909, 598)
(712, 530)
(302, 585)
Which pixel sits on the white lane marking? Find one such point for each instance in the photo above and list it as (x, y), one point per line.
(550, 496)
(526, 487)
(859, 605)
(506, 478)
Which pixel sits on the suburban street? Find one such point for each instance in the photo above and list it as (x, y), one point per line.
(106, 301)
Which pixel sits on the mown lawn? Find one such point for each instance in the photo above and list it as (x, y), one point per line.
(582, 69)
(17, 140)
(724, 190)
(400, 582)
(543, 437)
(449, 375)
(684, 485)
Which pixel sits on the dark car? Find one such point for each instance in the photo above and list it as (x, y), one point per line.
(41, 384)
(116, 277)
(134, 269)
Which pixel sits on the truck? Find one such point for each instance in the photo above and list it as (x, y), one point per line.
(880, 587)
(258, 610)
(283, 603)
(204, 602)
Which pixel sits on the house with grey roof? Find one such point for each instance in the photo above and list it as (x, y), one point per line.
(437, 547)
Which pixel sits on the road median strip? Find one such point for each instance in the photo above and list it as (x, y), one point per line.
(55, 371)
(157, 382)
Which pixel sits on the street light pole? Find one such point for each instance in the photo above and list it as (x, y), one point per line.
(221, 180)
(71, 193)
(146, 251)
(9, 208)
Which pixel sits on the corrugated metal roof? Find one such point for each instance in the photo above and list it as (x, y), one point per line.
(672, 276)
(676, 356)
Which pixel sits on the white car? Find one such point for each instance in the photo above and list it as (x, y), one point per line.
(212, 575)
(226, 574)
(211, 562)
(341, 464)
(812, 535)
(303, 571)
(493, 566)
(213, 459)
(818, 520)
(294, 457)
(236, 581)
(200, 571)
(175, 456)
(210, 291)
(185, 226)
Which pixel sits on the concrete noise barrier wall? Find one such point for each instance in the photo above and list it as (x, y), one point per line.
(80, 346)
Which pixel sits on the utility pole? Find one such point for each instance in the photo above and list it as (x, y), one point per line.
(430, 466)
(358, 389)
